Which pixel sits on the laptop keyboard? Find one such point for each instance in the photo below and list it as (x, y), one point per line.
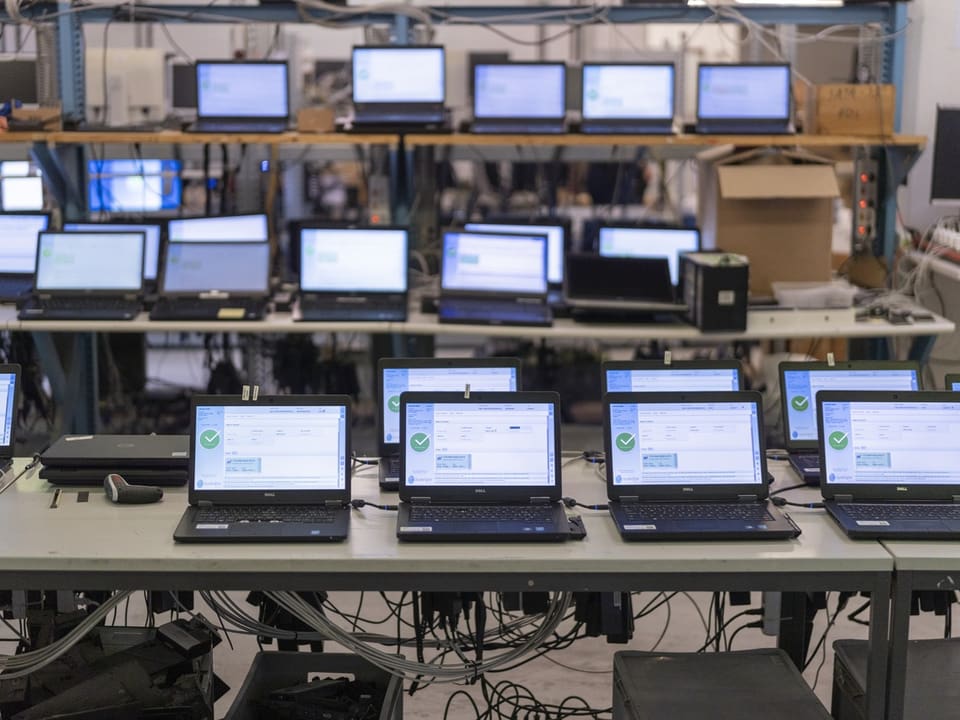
(325, 313)
(505, 312)
(481, 513)
(227, 126)
(313, 514)
(901, 511)
(696, 511)
(87, 307)
(518, 128)
(198, 309)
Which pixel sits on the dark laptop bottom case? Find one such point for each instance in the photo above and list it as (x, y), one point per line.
(189, 531)
(483, 530)
(878, 528)
(85, 476)
(776, 527)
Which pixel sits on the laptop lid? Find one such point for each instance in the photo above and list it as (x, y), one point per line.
(229, 228)
(356, 260)
(18, 241)
(649, 242)
(89, 263)
(684, 446)
(556, 241)
(216, 269)
(643, 283)
(738, 92)
(519, 91)
(628, 92)
(396, 376)
(151, 231)
(242, 90)
(889, 445)
(288, 449)
(490, 448)
(391, 77)
(476, 263)
(678, 376)
(952, 382)
(9, 406)
(801, 381)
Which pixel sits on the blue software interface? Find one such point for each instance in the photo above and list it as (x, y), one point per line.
(489, 444)
(873, 443)
(743, 92)
(353, 260)
(801, 388)
(685, 443)
(202, 267)
(667, 243)
(133, 186)
(242, 90)
(445, 379)
(627, 92)
(151, 233)
(490, 263)
(90, 261)
(398, 75)
(519, 91)
(8, 386)
(673, 380)
(270, 447)
(555, 242)
(18, 249)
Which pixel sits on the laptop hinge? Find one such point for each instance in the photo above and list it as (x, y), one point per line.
(540, 500)
(335, 504)
(746, 498)
(204, 503)
(956, 499)
(420, 501)
(843, 498)
(629, 498)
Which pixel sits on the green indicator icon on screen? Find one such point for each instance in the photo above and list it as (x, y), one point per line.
(209, 439)
(626, 442)
(419, 442)
(838, 440)
(799, 403)
(393, 404)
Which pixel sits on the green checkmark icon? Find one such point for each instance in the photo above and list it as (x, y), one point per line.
(393, 404)
(838, 440)
(419, 442)
(209, 439)
(626, 441)
(799, 402)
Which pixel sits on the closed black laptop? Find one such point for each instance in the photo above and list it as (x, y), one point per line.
(9, 406)
(689, 466)
(141, 459)
(891, 463)
(618, 289)
(275, 469)
(480, 467)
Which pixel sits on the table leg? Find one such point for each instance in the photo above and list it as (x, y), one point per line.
(896, 677)
(877, 649)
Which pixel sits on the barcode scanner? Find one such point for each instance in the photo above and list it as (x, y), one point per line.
(121, 492)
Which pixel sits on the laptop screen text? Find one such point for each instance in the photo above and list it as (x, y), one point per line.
(398, 75)
(673, 380)
(666, 243)
(8, 386)
(485, 263)
(242, 90)
(90, 261)
(353, 260)
(744, 92)
(519, 91)
(18, 251)
(224, 267)
(628, 92)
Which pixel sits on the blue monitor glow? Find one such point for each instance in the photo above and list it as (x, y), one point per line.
(133, 186)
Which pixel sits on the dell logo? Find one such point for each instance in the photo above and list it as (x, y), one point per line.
(687, 489)
(269, 494)
(480, 490)
(901, 488)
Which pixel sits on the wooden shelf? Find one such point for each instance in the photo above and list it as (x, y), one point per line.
(174, 137)
(578, 140)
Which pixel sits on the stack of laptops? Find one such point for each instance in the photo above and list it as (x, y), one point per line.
(649, 241)
(275, 469)
(242, 97)
(800, 382)
(152, 233)
(744, 99)
(891, 463)
(480, 466)
(140, 459)
(952, 382)
(87, 276)
(519, 97)
(9, 409)
(634, 98)
(491, 279)
(227, 228)
(214, 281)
(689, 466)
(619, 289)
(353, 274)
(676, 376)
(398, 88)
(396, 376)
(18, 252)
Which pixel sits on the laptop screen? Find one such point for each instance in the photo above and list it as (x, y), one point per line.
(555, 243)
(242, 90)
(133, 186)
(519, 90)
(480, 444)
(21, 193)
(494, 263)
(397, 380)
(90, 261)
(269, 447)
(398, 75)
(151, 232)
(685, 443)
(18, 242)
(670, 379)
(233, 228)
(743, 92)
(353, 260)
(891, 443)
(8, 408)
(224, 267)
(628, 92)
(952, 382)
(666, 243)
(800, 388)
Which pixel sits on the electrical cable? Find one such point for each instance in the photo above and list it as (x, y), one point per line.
(358, 503)
(27, 468)
(571, 503)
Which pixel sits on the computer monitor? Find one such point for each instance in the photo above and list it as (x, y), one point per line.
(628, 91)
(85, 262)
(755, 91)
(398, 75)
(151, 231)
(557, 243)
(649, 242)
(353, 259)
(519, 90)
(945, 181)
(21, 186)
(681, 376)
(230, 228)
(184, 90)
(242, 90)
(133, 186)
(498, 264)
(236, 268)
(952, 382)
(18, 241)
(18, 81)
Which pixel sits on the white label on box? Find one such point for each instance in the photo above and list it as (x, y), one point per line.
(408, 528)
(873, 523)
(639, 527)
(211, 526)
(726, 297)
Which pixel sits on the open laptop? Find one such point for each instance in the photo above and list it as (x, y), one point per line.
(275, 469)
(87, 276)
(227, 228)
(740, 99)
(891, 463)
(490, 279)
(649, 242)
(18, 252)
(242, 96)
(519, 97)
(214, 281)
(677, 376)
(801, 381)
(353, 274)
(480, 468)
(9, 407)
(398, 88)
(620, 289)
(152, 234)
(689, 466)
(952, 382)
(634, 98)
(396, 376)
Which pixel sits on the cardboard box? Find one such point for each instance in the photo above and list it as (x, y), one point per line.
(855, 110)
(775, 207)
(318, 120)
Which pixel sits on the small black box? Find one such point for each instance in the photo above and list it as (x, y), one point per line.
(714, 288)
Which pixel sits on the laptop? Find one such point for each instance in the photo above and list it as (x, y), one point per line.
(619, 289)
(275, 469)
(743, 99)
(141, 459)
(677, 376)
(649, 241)
(519, 97)
(214, 281)
(398, 88)
(396, 376)
(353, 273)
(480, 468)
(631, 98)
(689, 466)
(152, 234)
(891, 463)
(801, 381)
(490, 279)
(952, 382)
(87, 276)
(242, 97)
(18, 252)
(227, 228)
(9, 407)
